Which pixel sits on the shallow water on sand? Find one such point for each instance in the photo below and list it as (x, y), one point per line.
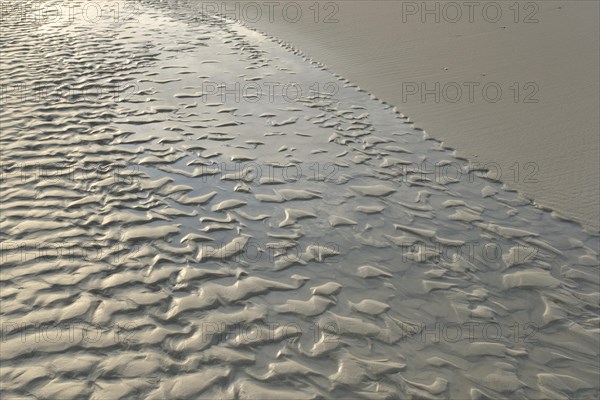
(178, 243)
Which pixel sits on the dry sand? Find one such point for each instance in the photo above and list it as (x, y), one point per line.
(384, 47)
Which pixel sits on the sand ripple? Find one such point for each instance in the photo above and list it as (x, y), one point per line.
(169, 243)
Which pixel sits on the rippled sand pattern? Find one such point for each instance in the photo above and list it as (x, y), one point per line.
(309, 271)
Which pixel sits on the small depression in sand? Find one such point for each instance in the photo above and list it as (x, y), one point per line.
(175, 243)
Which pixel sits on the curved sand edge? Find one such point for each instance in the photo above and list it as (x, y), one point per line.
(554, 141)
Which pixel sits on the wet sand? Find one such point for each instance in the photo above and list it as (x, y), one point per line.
(542, 134)
(190, 239)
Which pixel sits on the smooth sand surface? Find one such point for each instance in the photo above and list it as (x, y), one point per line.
(385, 49)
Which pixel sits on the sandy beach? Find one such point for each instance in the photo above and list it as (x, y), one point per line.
(190, 209)
(512, 87)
